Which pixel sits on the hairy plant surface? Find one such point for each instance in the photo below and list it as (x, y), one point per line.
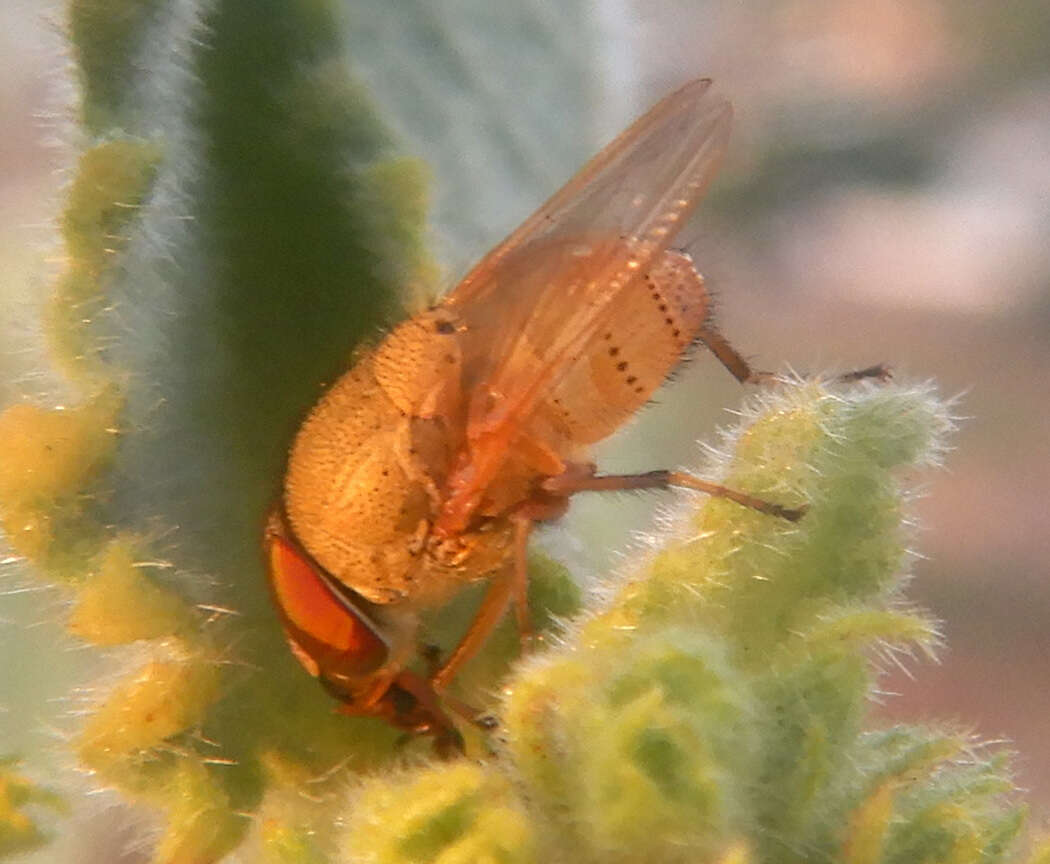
(237, 220)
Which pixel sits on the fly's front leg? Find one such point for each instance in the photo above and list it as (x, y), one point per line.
(520, 591)
(511, 584)
(431, 656)
(489, 614)
(426, 714)
(365, 702)
(541, 508)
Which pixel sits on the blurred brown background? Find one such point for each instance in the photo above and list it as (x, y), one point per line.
(887, 199)
(894, 163)
(897, 157)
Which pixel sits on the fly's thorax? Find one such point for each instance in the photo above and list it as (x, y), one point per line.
(419, 365)
(361, 486)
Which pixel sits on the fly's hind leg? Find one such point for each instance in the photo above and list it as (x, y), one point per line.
(572, 482)
(740, 369)
(879, 372)
(729, 357)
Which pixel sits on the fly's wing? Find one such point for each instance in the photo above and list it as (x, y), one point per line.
(686, 106)
(532, 305)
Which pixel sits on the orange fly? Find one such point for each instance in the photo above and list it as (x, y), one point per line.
(427, 464)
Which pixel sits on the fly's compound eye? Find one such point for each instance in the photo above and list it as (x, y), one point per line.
(328, 633)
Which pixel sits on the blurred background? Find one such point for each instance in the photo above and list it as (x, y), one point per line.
(886, 199)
